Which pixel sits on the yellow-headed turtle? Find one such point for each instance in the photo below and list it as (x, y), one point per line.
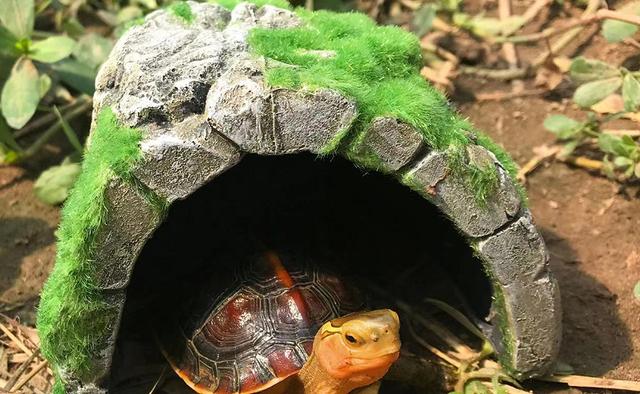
(280, 328)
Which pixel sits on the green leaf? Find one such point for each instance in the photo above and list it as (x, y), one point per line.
(592, 92)
(558, 124)
(622, 162)
(77, 75)
(423, 19)
(92, 49)
(128, 13)
(586, 70)
(52, 49)
(149, 4)
(21, 93)
(7, 42)
(475, 387)
(17, 17)
(615, 145)
(615, 31)
(568, 148)
(486, 26)
(44, 84)
(607, 168)
(72, 27)
(54, 184)
(630, 93)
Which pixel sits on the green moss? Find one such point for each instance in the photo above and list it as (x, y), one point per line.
(182, 10)
(72, 314)
(231, 4)
(378, 67)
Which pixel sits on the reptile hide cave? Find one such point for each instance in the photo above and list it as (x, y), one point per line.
(224, 123)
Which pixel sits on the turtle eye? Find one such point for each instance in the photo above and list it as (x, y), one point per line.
(352, 339)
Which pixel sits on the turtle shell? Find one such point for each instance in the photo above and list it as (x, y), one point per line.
(248, 331)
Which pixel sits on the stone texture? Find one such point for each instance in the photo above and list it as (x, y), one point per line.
(130, 220)
(518, 262)
(100, 362)
(309, 121)
(453, 196)
(240, 107)
(178, 161)
(161, 71)
(395, 143)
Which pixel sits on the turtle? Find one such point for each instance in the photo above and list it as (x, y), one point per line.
(278, 326)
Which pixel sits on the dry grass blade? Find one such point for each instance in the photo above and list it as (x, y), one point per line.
(18, 373)
(591, 382)
(508, 49)
(15, 340)
(509, 389)
(28, 377)
(540, 156)
(502, 96)
(444, 356)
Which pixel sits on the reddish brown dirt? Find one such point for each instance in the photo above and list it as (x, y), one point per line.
(26, 243)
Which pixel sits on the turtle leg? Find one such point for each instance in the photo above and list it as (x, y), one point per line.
(370, 389)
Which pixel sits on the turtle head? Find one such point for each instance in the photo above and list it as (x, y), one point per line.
(359, 347)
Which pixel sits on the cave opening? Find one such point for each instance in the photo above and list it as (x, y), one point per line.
(366, 227)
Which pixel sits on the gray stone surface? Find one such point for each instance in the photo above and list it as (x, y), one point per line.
(129, 222)
(434, 179)
(178, 161)
(309, 121)
(518, 261)
(240, 106)
(161, 71)
(394, 142)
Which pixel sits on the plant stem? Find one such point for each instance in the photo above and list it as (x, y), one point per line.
(53, 129)
(585, 20)
(48, 118)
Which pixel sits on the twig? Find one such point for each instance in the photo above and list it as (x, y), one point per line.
(535, 161)
(46, 119)
(53, 129)
(568, 37)
(580, 161)
(509, 389)
(552, 31)
(31, 374)
(432, 348)
(443, 53)
(591, 382)
(16, 375)
(500, 96)
(504, 75)
(508, 48)
(159, 380)
(15, 340)
(529, 14)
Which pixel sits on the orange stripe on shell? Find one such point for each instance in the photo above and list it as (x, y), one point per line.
(283, 275)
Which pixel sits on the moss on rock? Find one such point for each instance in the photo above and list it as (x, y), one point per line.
(72, 312)
(379, 67)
